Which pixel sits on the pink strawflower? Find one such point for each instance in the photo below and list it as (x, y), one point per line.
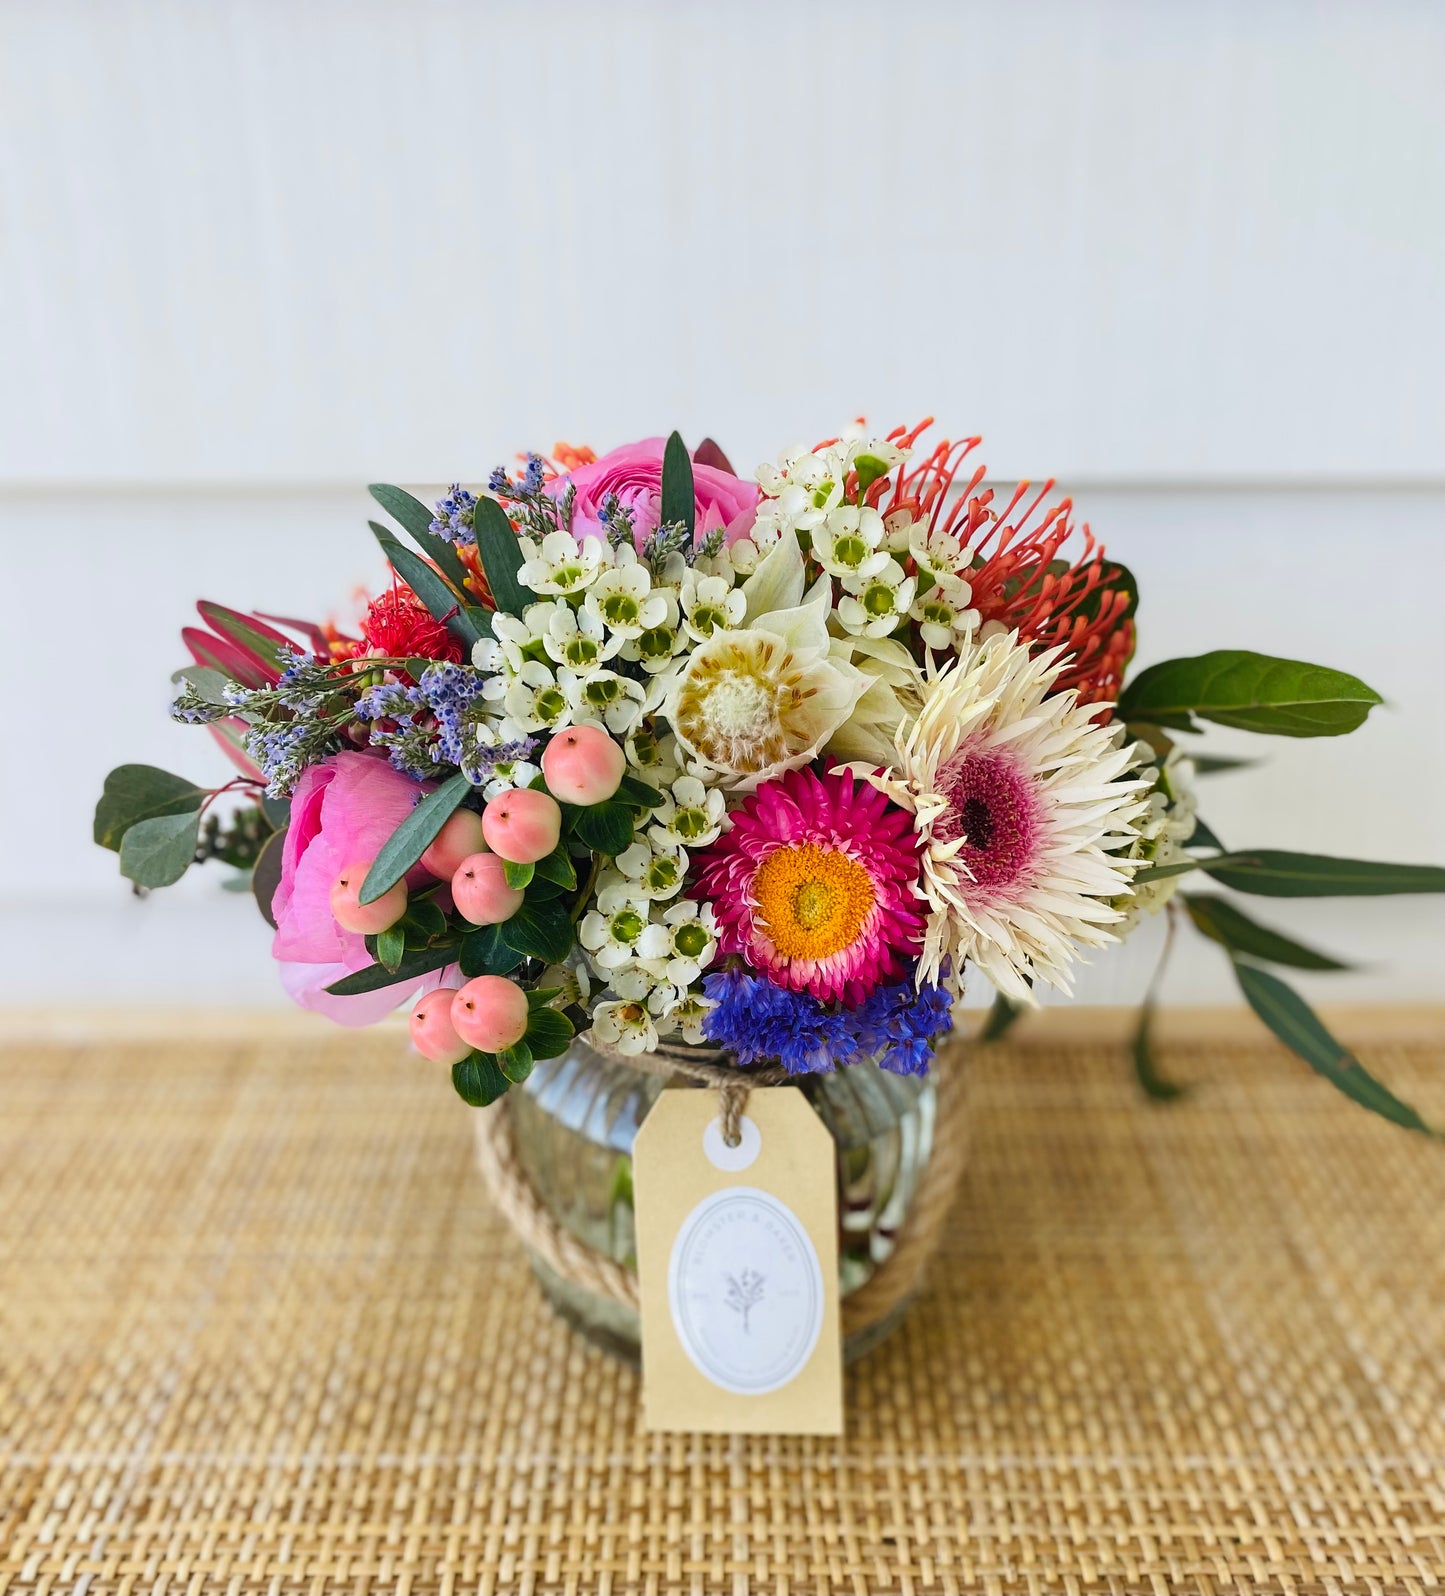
(634, 474)
(815, 884)
(342, 811)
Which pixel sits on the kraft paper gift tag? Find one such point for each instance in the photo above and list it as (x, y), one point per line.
(737, 1257)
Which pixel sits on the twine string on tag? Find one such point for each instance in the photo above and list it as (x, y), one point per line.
(704, 1066)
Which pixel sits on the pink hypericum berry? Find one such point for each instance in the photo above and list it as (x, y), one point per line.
(490, 1013)
(522, 826)
(481, 893)
(432, 1033)
(458, 839)
(367, 918)
(583, 765)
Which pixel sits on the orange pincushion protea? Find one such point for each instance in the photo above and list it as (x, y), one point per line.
(1021, 579)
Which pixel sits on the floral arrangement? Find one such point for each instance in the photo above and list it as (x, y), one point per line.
(640, 745)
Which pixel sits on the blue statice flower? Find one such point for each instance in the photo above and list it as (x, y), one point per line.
(440, 722)
(455, 514)
(758, 1022)
(283, 749)
(898, 1025)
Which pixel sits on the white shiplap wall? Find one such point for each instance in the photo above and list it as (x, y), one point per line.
(252, 255)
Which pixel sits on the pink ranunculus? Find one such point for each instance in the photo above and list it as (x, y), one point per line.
(342, 811)
(634, 474)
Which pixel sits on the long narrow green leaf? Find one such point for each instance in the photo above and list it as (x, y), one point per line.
(1296, 1024)
(429, 585)
(417, 519)
(1000, 1019)
(1218, 919)
(679, 498)
(1151, 1079)
(375, 976)
(1274, 873)
(501, 556)
(413, 837)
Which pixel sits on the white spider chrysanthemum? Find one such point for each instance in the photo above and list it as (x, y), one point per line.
(1022, 802)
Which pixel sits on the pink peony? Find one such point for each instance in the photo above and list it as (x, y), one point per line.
(342, 811)
(634, 474)
(815, 884)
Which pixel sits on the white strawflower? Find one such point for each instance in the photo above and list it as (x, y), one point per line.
(1024, 803)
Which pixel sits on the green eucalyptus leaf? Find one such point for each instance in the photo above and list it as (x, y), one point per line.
(484, 951)
(375, 976)
(1254, 692)
(1231, 928)
(1296, 1024)
(210, 685)
(277, 811)
(678, 497)
(417, 519)
(604, 828)
(501, 556)
(141, 792)
(413, 837)
(539, 931)
(266, 874)
(156, 852)
(1274, 873)
(443, 602)
(479, 1079)
(548, 1033)
(391, 947)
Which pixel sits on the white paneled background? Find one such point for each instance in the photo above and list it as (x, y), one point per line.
(254, 255)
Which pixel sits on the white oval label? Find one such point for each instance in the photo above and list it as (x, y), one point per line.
(746, 1290)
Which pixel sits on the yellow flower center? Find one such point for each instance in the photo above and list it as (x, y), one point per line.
(811, 901)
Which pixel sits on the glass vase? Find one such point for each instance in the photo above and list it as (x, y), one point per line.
(573, 1124)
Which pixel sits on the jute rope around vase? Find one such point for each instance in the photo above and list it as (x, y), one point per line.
(892, 1283)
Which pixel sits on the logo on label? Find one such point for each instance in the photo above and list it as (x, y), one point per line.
(746, 1290)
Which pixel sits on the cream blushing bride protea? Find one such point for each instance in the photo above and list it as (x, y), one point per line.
(1022, 799)
(764, 698)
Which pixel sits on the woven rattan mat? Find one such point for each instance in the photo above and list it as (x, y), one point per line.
(259, 1331)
